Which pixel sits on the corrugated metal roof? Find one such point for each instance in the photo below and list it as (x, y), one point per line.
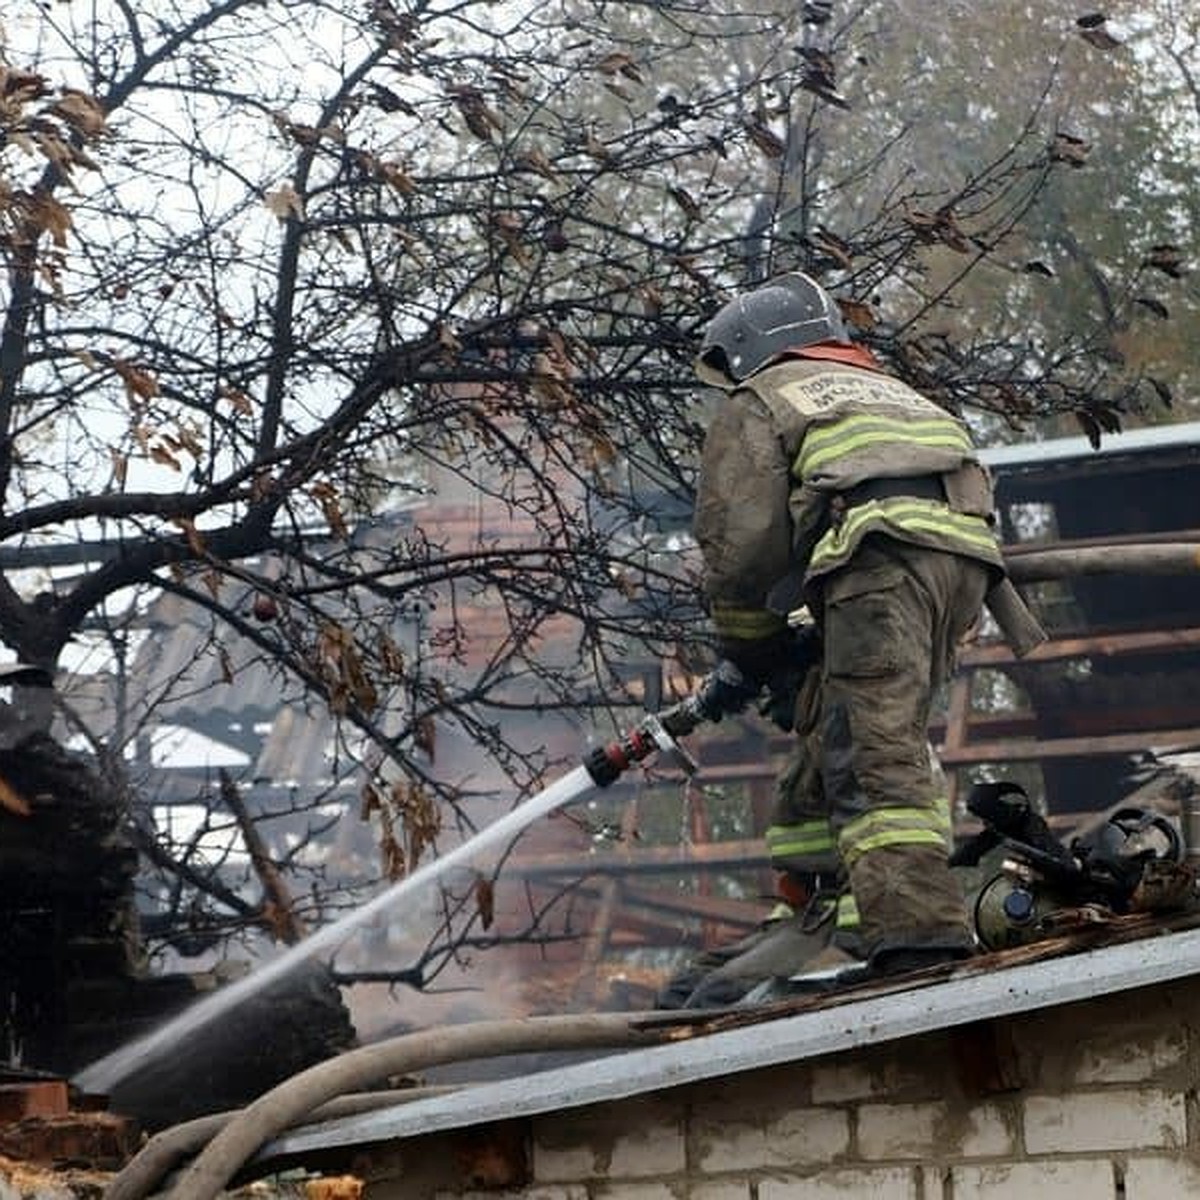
(179, 661)
(878, 1018)
(1133, 441)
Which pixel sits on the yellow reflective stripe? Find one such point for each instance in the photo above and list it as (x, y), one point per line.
(781, 912)
(941, 805)
(847, 912)
(851, 434)
(930, 515)
(918, 516)
(927, 818)
(882, 819)
(807, 837)
(894, 827)
(746, 624)
(896, 837)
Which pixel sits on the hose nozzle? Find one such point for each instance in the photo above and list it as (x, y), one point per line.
(657, 732)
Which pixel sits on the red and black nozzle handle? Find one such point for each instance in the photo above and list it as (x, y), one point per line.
(606, 764)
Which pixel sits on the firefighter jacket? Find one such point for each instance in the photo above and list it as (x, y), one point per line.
(781, 486)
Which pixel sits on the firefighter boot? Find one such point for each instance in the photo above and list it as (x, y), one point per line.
(910, 908)
(811, 920)
(676, 991)
(788, 946)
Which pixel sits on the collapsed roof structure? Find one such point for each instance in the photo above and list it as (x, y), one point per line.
(1105, 714)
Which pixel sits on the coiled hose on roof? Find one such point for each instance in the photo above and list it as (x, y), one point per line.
(243, 1133)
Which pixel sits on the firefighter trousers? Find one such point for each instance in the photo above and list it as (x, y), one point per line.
(862, 790)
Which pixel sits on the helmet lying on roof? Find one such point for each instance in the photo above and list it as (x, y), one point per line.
(789, 311)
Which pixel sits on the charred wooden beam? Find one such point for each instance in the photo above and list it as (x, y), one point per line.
(1033, 749)
(1106, 645)
(1104, 557)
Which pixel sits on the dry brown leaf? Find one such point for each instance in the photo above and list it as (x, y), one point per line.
(1069, 149)
(485, 901)
(394, 864)
(194, 540)
(285, 203)
(160, 454)
(84, 113)
(615, 62)
(425, 736)
(481, 120)
(651, 298)
(334, 1187)
(769, 143)
(684, 199)
(535, 160)
(832, 245)
(19, 86)
(391, 655)
(859, 314)
(326, 496)
(47, 215)
(189, 440)
(139, 383)
(396, 177)
(595, 148)
(239, 400)
(369, 801)
(12, 801)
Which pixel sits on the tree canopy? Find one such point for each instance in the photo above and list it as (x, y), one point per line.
(274, 274)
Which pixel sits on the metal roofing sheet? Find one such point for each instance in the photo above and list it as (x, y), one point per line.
(786, 1039)
(1156, 437)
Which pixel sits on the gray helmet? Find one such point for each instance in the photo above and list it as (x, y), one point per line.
(788, 311)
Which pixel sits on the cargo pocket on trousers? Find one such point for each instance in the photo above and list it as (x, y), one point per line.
(864, 632)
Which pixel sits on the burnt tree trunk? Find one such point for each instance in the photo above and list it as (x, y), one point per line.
(73, 985)
(66, 896)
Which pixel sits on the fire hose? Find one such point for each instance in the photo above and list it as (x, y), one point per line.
(655, 734)
(246, 1131)
(236, 1137)
(723, 691)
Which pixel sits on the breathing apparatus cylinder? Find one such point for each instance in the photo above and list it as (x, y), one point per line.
(1011, 909)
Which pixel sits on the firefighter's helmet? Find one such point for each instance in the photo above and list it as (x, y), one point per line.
(789, 311)
(1117, 851)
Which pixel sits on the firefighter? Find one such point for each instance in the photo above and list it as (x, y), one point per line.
(819, 466)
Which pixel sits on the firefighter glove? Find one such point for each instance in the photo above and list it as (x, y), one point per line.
(724, 690)
(784, 683)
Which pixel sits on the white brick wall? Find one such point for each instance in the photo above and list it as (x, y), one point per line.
(1115, 1119)
(727, 1190)
(794, 1138)
(851, 1078)
(577, 1192)
(622, 1190)
(893, 1183)
(1161, 1178)
(1087, 1102)
(657, 1150)
(927, 1131)
(649, 1145)
(1119, 1061)
(1083, 1179)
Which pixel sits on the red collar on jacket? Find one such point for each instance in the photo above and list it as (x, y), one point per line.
(842, 352)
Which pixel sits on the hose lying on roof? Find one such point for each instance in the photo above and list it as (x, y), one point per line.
(166, 1149)
(252, 1127)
